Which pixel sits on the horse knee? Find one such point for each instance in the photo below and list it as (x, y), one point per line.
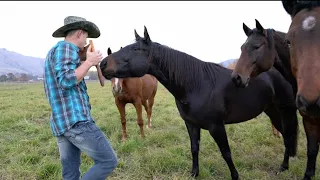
(140, 122)
(226, 155)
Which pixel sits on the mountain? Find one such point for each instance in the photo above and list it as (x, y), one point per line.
(12, 62)
(227, 62)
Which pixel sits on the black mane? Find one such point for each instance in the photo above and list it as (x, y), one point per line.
(179, 64)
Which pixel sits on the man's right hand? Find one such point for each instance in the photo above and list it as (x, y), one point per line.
(93, 58)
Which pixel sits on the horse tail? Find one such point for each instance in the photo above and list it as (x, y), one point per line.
(291, 128)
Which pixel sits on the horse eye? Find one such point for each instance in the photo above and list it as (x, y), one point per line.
(288, 43)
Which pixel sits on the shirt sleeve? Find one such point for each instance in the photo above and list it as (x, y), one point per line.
(66, 59)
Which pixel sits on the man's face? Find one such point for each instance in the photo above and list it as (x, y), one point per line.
(83, 35)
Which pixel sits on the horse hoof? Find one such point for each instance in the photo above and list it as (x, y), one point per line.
(306, 178)
(282, 169)
(194, 174)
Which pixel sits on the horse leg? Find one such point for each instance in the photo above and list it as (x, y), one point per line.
(290, 133)
(218, 132)
(285, 121)
(138, 106)
(122, 111)
(149, 113)
(275, 131)
(145, 105)
(312, 147)
(194, 134)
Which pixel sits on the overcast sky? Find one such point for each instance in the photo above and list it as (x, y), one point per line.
(210, 31)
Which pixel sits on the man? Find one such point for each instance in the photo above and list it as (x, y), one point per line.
(66, 91)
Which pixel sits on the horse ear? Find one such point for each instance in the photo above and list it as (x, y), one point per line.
(136, 35)
(109, 51)
(121, 47)
(288, 5)
(246, 29)
(146, 35)
(259, 27)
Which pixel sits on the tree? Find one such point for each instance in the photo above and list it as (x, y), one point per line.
(11, 77)
(23, 77)
(3, 78)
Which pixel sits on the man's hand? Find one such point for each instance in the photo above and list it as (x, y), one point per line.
(93, 58)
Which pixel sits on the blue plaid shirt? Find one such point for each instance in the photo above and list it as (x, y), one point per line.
(69, 100)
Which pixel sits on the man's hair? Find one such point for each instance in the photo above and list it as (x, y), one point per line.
(71, 32)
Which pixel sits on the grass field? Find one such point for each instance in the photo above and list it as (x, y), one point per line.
(29, 151)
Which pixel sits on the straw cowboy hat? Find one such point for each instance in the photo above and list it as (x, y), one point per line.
(75, 22)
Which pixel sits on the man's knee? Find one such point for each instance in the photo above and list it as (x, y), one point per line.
(111, 163)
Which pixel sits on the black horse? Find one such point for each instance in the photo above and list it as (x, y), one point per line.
(205, 95)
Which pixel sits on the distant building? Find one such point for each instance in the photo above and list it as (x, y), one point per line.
(86, 77)
(39, 78)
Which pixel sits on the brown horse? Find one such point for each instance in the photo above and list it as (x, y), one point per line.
(303, 38)
(137, 91)
(274, 130)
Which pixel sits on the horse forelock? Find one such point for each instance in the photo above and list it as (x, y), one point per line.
(309, 5)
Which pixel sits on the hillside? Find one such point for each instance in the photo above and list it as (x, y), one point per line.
(12, 62)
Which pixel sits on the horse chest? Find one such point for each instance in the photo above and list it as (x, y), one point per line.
(128, 97)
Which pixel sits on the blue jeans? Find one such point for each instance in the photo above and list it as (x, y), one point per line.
(87, 137)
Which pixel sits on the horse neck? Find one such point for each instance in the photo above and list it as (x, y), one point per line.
(177, 71)
(282, 49)
(282, 61)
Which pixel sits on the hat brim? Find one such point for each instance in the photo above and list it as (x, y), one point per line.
(91, 28)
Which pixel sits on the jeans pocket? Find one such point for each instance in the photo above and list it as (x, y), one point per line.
(76, 134)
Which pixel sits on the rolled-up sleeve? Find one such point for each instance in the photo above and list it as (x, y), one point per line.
(65, 62)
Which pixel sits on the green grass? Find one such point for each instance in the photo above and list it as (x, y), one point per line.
(29, 151)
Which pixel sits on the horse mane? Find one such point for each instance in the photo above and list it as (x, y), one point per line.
(282, 47)
(184, 69)
(282, 63)
(300, 5)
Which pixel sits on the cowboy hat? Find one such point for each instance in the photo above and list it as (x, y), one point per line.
(75, 22)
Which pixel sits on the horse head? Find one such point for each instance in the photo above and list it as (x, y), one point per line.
(257, 54)
(303, 38)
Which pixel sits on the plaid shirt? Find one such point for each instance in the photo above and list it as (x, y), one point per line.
(69, 100)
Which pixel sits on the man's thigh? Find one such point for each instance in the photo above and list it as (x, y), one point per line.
(91, 140)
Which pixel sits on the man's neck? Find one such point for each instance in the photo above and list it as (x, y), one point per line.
(72, 41)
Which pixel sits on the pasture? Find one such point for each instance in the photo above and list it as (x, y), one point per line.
(28, 150)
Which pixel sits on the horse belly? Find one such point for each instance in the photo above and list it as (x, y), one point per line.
(148, 86)
(244, 112)
(247, 104)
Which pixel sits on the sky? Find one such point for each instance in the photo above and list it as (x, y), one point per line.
(209, 30)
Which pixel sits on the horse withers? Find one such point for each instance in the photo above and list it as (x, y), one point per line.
(139, 91)
(204, 94)
(303, 39)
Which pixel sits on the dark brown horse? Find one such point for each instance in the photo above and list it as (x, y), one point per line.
(303, 38)
(137, 91)
(274, 130)
(264, 50)
(205, 96)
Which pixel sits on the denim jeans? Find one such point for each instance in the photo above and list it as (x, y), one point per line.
(86, 137)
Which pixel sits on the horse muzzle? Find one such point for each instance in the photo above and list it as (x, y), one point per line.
(239, 80)
(116, 91)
